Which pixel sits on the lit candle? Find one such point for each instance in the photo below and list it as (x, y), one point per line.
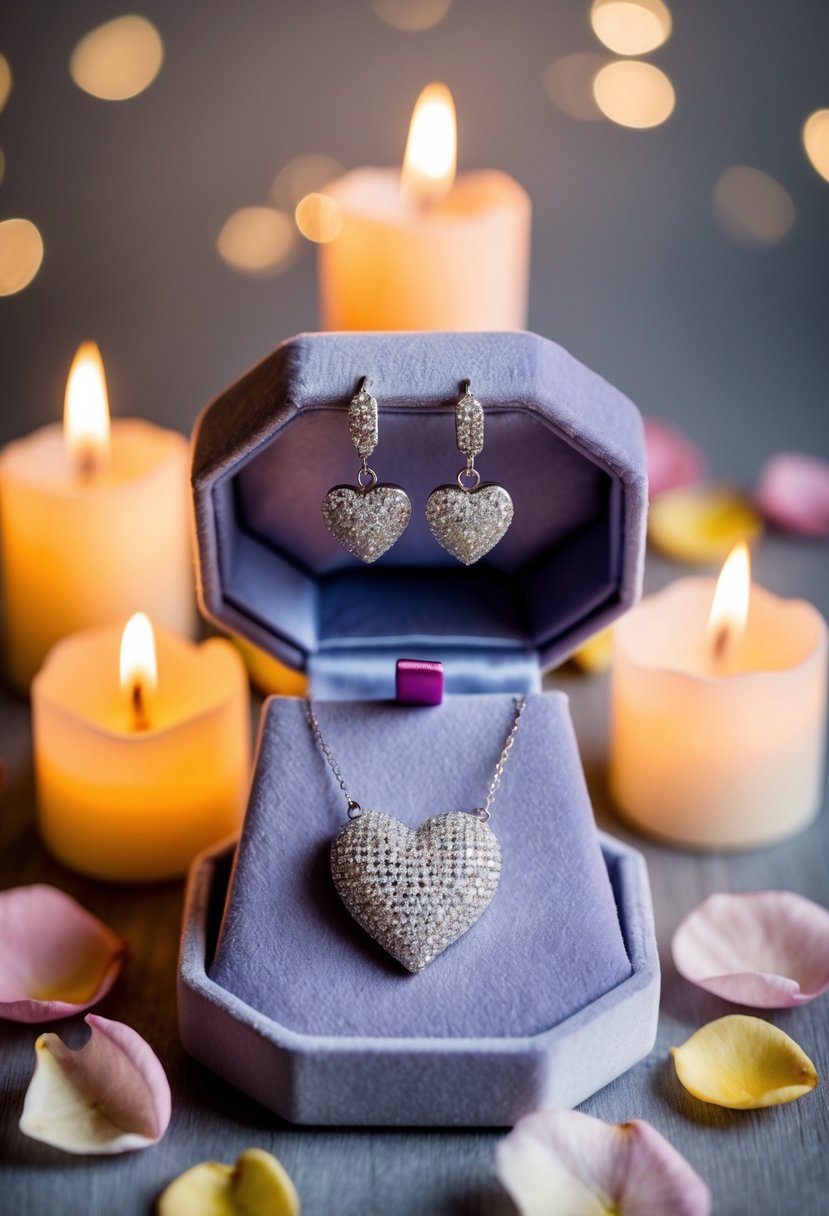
(93, 520)
(422, 249)
(141, 761)
(719, 712)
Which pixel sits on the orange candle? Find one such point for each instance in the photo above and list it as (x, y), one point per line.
(142, 750)
(422, 249)
(94, 520)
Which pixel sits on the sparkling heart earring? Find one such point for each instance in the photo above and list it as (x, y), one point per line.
(470, 518)
(367, 518)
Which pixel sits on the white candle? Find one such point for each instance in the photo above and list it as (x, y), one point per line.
(94, 522)
(140, 762)
(718, 713)
(422, 250)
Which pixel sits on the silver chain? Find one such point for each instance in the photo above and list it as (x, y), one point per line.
(484, 811)
(354, 808)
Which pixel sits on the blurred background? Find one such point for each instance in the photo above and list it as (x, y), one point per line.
(685, 259)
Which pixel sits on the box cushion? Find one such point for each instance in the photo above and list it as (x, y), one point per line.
(548, 945)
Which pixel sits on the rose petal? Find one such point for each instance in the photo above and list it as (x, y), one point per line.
(563, 1163)
(673, 460)
(769, 949)
(701, 525)
(743, 1063)
(55, 957)
(257, 1185)
(268, 675)
(110, 1096)
(596, 653)
(794, 493)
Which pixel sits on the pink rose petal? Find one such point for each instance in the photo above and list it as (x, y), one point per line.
(794, 493)
(673, 460)
(559, 1163)
(110, 1096)
(55, 957)
(768, 949)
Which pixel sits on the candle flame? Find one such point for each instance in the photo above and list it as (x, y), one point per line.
(86, 410)
(729, 608)
(431, 149)
(139, 671)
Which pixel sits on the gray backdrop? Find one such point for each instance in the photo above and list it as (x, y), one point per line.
(630, 269)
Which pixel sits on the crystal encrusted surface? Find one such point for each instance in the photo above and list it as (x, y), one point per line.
(366, 522)
(469, 425)
(415, 891)
(362, 422)
(468, 523)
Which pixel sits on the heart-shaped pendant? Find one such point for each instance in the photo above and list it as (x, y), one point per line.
(468, 523)
(415, 891)
(366, 520)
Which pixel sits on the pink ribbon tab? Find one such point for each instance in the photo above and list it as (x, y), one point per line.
(419, 682)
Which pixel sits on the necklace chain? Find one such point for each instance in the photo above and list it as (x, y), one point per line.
(354, 808)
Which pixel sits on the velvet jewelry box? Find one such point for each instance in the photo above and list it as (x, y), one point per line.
(554, 991)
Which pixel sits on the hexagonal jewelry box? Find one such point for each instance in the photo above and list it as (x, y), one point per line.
(554, 991)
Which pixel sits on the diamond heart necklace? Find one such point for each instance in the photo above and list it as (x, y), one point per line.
(416, 891)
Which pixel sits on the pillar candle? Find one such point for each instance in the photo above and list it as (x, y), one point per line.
(94, 523)
(422, 250)
(718, 728)
(137, 772)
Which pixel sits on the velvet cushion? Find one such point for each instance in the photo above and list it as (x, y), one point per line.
(548, 945)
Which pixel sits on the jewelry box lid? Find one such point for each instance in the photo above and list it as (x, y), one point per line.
(565, 444)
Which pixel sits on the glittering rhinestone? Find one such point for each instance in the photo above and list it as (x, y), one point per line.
(366, 522)
(468, 523)
(417, 915)
(362, 422)
(469, 425)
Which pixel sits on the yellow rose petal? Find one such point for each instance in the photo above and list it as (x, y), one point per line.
(257, 1185)
(701, 525)
(269, 675)
(596, 653)
(743, 1063)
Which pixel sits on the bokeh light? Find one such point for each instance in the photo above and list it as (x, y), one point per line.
(318, 218)
(21, 252)
(305, 174)
(568, 82)
(631, 27)
(118, 59)
(258, 241)
(5, 81)
(411, 15)
(816, 141)
(634, 94)
(752, 207)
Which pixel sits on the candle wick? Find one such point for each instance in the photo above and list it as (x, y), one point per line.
(721, 644)
(140, 720)
(419, 202)
(87, 463)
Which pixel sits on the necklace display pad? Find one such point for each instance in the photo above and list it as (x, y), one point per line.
(544, 1000)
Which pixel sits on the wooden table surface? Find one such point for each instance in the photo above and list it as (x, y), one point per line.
(767, 1163)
